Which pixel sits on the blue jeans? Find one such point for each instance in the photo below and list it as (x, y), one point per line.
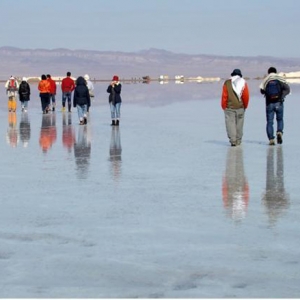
(81, 109)
(66, 96)
(271, 110)
(115, 110)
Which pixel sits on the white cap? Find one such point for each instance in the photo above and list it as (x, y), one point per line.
(24, 79)
(86, 77)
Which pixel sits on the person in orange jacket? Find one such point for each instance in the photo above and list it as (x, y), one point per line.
(234, 102)
(44, 88)
(52, 91)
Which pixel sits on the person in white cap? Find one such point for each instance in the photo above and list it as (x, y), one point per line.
(90, 87)
(12, 87)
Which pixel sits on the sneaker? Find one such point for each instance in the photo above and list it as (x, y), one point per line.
(85, 120)
(272, 142)
(117, 123)
(238, 143)
(113, 123)
(279, 137)
(81, 122)
(233, 144)
(53, 108)
(63, 109)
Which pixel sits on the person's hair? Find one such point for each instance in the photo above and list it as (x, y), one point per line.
(44, 77)
(68, 73)
(48, 76)
(272, 70)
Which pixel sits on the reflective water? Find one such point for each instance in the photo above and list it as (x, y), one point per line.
(159, 207)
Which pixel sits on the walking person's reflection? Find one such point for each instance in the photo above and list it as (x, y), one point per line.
(68, 132)
(115, 152)
(235, 188)
(12, 135)
(275, 198)
(48, 132)
(24, 129)
(82, 152)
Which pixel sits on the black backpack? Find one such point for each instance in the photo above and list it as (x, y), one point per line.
(273, 91)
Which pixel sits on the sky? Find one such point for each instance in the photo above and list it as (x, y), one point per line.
(217, 27)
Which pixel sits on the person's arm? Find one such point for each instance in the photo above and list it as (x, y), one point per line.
(224, 98)
(285, 89)
(245, 96)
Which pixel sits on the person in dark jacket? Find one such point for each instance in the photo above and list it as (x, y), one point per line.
(81, 99)
(24, 94)
(275, 88)
(114, 99)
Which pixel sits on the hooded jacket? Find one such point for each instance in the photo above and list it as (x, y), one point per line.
(24, 91)
(115, 93)
(81, 93)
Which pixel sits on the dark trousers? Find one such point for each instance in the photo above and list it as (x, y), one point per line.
(45, 100)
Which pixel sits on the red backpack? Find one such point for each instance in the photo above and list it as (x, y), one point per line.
(12, 86)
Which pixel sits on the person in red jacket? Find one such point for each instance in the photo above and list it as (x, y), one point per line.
(52, 91)
(234, 102)
(67, 87)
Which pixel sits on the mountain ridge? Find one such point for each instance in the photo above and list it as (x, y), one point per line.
(148, 62)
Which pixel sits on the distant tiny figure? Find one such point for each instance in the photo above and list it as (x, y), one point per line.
(24, 94)
(235, 99)
(90, 87)
(67, 87)
(81, 99)
(12, 87)
(275, 88)
(114, 99)
(52, 91)
(44, 88)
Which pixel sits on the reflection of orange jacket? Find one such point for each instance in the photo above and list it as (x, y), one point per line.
(44, 86)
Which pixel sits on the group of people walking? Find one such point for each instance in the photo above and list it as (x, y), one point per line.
(235, 100)
(82, 90)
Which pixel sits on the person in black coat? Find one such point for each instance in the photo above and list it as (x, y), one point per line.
(81, 99)
(24, 94)
(114, 99)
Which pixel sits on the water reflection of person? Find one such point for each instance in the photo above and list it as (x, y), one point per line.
(115, 152)
(275, 198)
(12, 136)
(48, 132)
(82, 151)
(235, 188)
(68, 132)
(24, 129)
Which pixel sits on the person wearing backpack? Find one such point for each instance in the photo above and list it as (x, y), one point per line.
(234, 102)
(275, 88)
(24, 94)
(12, 87)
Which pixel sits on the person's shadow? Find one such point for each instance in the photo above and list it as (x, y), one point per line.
(235, 187)
(68, 132)
(275, 198)
(82, 152)
(24, 129)
(115, 152)
(48, 132)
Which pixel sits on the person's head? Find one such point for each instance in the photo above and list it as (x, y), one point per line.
(236, 72)
(272, 70)
(24, 79)
(48, 76)
(86, 77)
(80, 81)
(43, 77)
(115, 78)
(68, 74)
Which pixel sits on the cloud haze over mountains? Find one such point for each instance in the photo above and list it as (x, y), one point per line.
(152, 62)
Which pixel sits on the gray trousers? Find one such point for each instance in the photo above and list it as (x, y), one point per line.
(234, 120)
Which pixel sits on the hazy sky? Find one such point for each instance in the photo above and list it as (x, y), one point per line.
(221, 27)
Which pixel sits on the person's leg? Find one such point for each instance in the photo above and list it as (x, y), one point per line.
(270, 121)
(113, 113)
(80, 114)
(279, 118)
(69, 101)
(239, 125)
(64, 97)
(230, 122)
(84, 111)
(118, 113)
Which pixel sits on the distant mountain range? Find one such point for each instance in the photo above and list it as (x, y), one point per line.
(152, 62)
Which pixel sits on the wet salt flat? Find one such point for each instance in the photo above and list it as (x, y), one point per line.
(160, 207)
